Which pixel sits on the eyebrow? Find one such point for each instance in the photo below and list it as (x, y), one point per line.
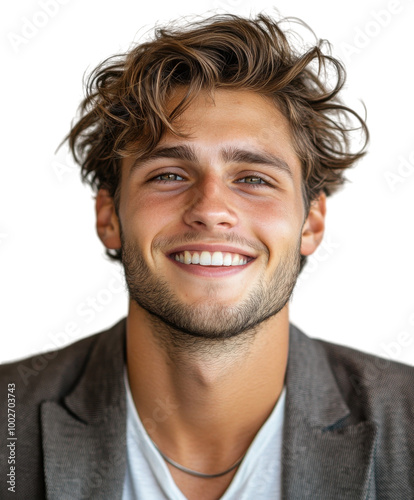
(237, 155)
(229, 155)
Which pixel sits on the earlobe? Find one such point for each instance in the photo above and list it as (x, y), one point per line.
(314, 226)
(107, 224)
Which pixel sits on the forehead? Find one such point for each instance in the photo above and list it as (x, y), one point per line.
(235, 109)
(229, 118)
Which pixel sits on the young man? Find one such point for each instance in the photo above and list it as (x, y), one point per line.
(212, 149)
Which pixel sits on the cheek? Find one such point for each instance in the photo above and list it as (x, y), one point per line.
(278, 227)
(277, 215)
(145, 218)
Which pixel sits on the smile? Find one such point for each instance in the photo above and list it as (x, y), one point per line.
(205, 258)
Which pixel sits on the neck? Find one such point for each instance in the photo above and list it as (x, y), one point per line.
(202, 402)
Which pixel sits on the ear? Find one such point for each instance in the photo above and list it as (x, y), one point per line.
(314, 226)
(107, 223)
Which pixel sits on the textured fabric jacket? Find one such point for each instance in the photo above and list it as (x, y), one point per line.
(348, 434)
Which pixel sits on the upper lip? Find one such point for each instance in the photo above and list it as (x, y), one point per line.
(216, 247)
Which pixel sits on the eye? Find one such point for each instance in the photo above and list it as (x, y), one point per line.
(254, 180)
(166, 177)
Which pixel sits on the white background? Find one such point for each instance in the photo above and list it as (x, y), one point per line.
(358, 290)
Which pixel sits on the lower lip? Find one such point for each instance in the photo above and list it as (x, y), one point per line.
(211, 271)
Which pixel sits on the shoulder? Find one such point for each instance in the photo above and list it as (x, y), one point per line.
(51, 375)
(364, 370)
(48, 374)
(375, 387)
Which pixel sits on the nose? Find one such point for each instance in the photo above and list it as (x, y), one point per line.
(210, 206)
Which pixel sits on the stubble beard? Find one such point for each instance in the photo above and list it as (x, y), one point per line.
(208, 326)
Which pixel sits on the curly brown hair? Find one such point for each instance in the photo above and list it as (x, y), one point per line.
(125, 108)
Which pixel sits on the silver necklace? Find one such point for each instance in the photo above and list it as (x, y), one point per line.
(193, 472)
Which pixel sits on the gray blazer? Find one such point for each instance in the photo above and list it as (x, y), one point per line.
(348, 431)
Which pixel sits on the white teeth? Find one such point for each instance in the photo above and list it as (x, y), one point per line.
(187, 257)
(205, 259)
(217, 259)
(235, 260)
(210, 259)
(227, 260)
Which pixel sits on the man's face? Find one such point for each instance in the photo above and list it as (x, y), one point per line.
(211, 225)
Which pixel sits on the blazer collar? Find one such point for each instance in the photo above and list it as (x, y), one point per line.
(84, 439)
(326, 453)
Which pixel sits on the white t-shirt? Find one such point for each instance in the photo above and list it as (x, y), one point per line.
(259, 475)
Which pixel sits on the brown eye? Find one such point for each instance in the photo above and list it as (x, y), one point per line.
(166, 177)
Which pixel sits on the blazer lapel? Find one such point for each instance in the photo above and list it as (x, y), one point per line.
(84, 439)
(327, 453)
